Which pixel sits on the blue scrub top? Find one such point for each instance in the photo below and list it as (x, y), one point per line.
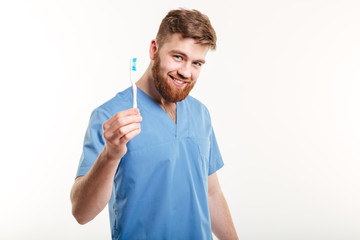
(160, 188)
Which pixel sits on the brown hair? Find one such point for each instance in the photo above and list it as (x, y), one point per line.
(190, 24)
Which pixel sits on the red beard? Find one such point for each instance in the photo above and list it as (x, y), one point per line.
(169, 92)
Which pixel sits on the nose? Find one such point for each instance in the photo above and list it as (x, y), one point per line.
(185, 70)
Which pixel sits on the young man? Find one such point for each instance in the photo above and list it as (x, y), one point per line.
(156, 165)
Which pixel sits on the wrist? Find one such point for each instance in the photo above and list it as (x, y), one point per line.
(110, 156)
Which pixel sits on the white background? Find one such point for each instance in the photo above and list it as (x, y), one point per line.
(282, 88)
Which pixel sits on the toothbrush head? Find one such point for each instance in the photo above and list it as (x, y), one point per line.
(133, 64)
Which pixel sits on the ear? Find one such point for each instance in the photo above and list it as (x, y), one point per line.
(153, 49)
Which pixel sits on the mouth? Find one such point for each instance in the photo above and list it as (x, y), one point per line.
(178, 82)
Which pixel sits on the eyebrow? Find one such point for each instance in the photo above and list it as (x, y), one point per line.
(202, 61)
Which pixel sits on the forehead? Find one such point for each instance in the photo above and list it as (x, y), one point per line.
(188, 46)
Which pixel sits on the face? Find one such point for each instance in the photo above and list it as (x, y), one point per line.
(177, 66)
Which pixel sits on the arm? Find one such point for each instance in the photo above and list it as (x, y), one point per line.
(221, 222)
(91, 192)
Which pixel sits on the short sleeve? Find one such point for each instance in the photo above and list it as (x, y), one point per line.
(93, 141)
(215, 159)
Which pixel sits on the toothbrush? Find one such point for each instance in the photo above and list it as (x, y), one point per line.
(132, 71)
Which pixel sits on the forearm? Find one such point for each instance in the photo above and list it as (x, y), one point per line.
(221, 222)
(91, 192)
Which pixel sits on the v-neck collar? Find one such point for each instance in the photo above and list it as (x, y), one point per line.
(147, 103)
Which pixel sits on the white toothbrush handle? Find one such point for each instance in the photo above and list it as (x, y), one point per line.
(134, 95)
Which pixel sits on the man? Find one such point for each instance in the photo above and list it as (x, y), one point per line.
(156, 165)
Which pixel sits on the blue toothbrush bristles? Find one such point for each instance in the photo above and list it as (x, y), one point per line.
(133, 65)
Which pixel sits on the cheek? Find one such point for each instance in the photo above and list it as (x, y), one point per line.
(195, 75)
(169, 66)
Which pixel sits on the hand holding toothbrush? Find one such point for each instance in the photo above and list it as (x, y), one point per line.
(119, 130)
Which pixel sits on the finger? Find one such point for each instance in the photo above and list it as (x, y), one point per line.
(121, 122)
(127, 137)
(122, 114)
(115, 136)
(119, 115)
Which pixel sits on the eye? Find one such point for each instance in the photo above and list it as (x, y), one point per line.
(178, 57)
(197, 64)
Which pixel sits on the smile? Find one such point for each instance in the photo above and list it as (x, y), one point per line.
(177, 82)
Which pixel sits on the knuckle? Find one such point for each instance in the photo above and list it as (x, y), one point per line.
(126, 138)
(121, 131)
(106, 135)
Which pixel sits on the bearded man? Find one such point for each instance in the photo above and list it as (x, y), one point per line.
(156, 165)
